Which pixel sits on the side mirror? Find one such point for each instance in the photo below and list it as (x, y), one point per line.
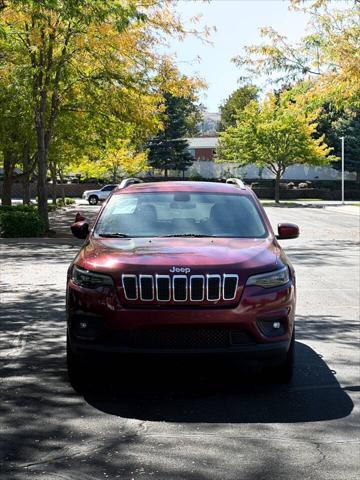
(79, 217)
(287, 231)
(80, 229)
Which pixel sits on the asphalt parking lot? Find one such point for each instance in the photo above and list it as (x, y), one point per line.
(181, 421)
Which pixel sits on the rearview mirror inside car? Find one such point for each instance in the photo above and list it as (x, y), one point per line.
(287, 231)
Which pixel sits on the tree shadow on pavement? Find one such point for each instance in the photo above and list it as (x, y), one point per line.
(323, 253)
(144, 419)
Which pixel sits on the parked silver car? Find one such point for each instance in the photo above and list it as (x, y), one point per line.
(94, 196)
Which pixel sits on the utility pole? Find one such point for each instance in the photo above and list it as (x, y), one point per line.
(342, 170)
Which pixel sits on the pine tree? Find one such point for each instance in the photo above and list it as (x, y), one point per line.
(335, 123)
(169, 149)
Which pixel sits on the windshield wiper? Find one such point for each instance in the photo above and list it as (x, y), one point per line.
(188, 235)
(113, 235)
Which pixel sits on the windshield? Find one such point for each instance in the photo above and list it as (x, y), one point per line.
(181, 214)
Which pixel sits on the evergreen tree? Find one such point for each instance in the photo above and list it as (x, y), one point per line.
(336, 123)
(169, 149)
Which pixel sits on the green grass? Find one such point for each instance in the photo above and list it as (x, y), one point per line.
(309, 199)
(294, 200)
(271, 203)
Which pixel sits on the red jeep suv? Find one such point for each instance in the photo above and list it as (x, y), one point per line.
(182, 268)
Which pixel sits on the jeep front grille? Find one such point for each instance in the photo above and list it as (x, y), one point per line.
(180, 288)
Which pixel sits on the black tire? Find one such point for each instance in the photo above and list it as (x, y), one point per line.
(75, 367)
(283, 372)
(93, 200)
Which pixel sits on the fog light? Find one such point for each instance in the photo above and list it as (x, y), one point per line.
(86, 326)
(272, 327)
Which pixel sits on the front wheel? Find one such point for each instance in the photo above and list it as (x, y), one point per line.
(93, 199)
(283, 372)
(75, 367)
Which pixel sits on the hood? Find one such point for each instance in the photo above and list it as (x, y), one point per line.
(159, 255)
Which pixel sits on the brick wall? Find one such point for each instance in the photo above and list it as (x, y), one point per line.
(70, 190)
(77, 189)
(206, 154)
(322, 194)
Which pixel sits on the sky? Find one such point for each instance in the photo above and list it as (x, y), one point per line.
(238, 23)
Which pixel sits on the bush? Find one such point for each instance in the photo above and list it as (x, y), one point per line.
(195, 176)
(17, 208)
(16, 223)
(68, 201)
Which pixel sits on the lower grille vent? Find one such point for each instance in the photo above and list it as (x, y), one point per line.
(186, 338)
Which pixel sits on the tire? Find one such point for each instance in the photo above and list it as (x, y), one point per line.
(93, 200)
(75, 368)
(283, 372)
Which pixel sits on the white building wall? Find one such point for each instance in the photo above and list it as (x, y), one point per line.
(296, 172)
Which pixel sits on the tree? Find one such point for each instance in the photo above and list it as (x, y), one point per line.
(17, 141)
(169, 149)
(236, 102)
(327, 57)
(122, 160)
(92, 57)
(349, 127)
(335, 123)
(275, 135)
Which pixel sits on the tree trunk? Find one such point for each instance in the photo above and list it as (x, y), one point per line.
(41, 183)
(53, 186)
(26, 190)
(277, 186)
(114, 174)
(166, 172)
(8, 179)
(25, 179)
(62, 186)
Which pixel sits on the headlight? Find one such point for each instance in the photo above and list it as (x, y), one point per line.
(88, 279)
(270, 279)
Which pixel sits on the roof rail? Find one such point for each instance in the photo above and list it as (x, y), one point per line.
(129, 181)
(236, 181)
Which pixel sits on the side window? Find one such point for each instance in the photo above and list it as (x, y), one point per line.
(108, 188)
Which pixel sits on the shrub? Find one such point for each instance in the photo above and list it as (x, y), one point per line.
(16, 223)
(17, 208)
(195, 176)
(68, 201)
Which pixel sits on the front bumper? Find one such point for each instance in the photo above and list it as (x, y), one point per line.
(109, 325)
(273, 352)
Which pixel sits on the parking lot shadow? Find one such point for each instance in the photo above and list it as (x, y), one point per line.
(218, 392)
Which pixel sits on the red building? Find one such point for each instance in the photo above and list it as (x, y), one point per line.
(203, 148)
